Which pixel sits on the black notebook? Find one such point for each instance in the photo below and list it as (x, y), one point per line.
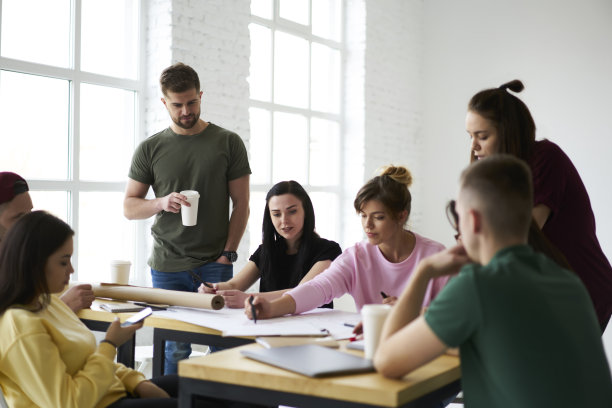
(311, 360)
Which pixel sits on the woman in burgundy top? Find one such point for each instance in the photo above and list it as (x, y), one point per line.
(499, 122)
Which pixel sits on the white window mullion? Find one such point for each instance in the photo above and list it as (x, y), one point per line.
(340, 189)
(141, 228)
(309, 116)
(272, 99)
(79, 151)
(73, 136)
(326, 193)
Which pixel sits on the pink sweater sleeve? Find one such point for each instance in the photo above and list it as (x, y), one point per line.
(362, 271)
(333, 282)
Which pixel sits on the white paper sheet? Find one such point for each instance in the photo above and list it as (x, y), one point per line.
(233, 322)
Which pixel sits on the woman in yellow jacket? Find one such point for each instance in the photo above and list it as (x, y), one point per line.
(48, 358)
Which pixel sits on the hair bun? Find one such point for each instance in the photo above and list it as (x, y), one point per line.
(514, 85)
(398, 173)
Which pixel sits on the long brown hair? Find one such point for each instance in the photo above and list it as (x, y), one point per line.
(23, 256)
(514, 124)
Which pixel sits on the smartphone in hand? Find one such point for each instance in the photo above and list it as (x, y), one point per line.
(143, 314)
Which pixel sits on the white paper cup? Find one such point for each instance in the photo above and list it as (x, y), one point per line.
(120, 272)
(373, 318)
(190, 214)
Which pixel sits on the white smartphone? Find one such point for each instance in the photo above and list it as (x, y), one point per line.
(143, 314)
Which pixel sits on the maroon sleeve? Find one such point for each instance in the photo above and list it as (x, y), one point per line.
(549, 166)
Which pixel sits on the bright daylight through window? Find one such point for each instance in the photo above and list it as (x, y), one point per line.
(295, 114)
(69, 116)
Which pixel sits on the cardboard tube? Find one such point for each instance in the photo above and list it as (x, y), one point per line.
(155, 295)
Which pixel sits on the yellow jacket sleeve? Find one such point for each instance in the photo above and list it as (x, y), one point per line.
(129, 377)
(33, 362)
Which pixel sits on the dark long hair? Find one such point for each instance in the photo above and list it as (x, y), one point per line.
(272, 242)
(538, 241)
(514, 124)
(23, 256)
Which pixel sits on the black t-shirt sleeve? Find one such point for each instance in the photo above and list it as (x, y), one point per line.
(256, 257)
(325, 250)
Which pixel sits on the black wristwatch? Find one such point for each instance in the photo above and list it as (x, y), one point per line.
(231, 255)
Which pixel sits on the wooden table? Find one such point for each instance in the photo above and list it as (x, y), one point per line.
(229, 375)
(164, 329)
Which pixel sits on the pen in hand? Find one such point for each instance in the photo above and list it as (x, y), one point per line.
(197, 277)
(253, 309)
(383, 294)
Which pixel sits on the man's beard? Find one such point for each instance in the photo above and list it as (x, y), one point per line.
(187, 125)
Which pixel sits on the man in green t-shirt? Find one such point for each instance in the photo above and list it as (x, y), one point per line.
(526, 329)
(191, 154)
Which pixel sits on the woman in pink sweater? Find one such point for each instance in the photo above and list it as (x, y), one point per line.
(372, 271)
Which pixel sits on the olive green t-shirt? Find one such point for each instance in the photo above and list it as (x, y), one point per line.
(204, 162)
(527, 332)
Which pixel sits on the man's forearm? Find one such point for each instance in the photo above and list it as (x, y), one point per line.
(237, 226)
(135, 208)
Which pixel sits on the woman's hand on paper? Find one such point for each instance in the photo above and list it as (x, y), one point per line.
(234, 299)
(204, 289)
(261, 306)
(119, 335)
(266, 309)
(389, 300)
(358, 329)
(146, 389)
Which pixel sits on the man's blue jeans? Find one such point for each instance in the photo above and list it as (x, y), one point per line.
(183, 281)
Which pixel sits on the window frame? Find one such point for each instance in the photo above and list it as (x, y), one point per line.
(73, 185)
(278, 23)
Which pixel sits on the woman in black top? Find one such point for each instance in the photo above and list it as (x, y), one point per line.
(291, 252)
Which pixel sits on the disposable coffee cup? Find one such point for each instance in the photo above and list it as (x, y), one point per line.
(373, 318)
(190, 214)
(120, 272)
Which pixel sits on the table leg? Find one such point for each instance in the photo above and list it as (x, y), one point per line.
(160, 336)
(190, 389)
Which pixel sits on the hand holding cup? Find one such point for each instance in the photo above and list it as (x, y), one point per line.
(189, 213)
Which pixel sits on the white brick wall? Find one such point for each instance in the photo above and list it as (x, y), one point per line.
(212, 36)
(393, 77)
(354, 128)
(158, 55)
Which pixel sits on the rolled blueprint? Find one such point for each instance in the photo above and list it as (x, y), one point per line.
(155, 295)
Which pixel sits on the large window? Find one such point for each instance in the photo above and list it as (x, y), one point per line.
(69, 115)
(295, 108)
